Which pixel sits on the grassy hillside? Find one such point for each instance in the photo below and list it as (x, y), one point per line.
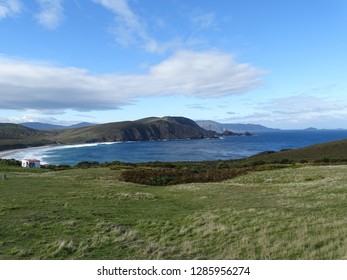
(14, 136)
(151, 128)
(332, 151)
(16, 131)
(17, 136)
(292, 213)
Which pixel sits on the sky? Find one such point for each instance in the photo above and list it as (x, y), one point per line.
(279, 63)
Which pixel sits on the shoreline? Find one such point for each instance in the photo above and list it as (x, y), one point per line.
(234, 149)
(7, 153)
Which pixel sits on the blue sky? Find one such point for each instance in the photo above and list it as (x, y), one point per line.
(277, 63)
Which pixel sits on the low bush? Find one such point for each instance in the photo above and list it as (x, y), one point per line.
(322, 161)
(55, 167)
(10, 162)
(118, 164)
(87, 164)
(172, 176)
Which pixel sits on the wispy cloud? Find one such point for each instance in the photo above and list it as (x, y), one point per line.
(33, 85)
(128, 30)
(131, 30)
(296, 109)
(202, 19)
(129, 27)
(304, 105)
(10, 8)
(31, 116)
(36, 116)
(198, 106)
(51, 13)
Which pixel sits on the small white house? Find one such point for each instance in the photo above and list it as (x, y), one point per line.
(31, 163)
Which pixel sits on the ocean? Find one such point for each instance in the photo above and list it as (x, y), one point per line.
(231, 147)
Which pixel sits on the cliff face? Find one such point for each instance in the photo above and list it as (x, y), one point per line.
(164, 128)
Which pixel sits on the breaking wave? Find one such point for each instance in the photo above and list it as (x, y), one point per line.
(44, 153)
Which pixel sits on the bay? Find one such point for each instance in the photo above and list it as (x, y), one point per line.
(231, 147)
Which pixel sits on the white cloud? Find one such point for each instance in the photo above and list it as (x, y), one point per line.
(204, 74)
(34, 85)
(51, 13)
(9, 8)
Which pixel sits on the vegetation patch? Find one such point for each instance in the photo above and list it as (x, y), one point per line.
(174, 176)
(208, 210)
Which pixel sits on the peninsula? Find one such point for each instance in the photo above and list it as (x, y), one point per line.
(15, 136)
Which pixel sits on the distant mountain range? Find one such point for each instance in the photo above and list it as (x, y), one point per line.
(47, 126)
(220, 127)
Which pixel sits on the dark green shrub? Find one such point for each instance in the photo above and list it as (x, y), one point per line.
(172, 176)
(222, 165)
(161, 180)
(257, 162)
(322, 160)
(286, 161)
(10, 162)
(87, 164)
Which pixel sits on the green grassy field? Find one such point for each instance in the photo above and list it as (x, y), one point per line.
(298, 212)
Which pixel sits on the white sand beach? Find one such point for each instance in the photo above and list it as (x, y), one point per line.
(7, 153)
(19, 154)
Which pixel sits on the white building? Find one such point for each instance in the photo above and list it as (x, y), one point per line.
(31, 163)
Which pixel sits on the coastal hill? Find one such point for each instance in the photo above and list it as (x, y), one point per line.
(13, 136)
(151, 128)
(16, 131)
(335, 151)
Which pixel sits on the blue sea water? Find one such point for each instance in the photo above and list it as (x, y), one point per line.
(181, 150)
